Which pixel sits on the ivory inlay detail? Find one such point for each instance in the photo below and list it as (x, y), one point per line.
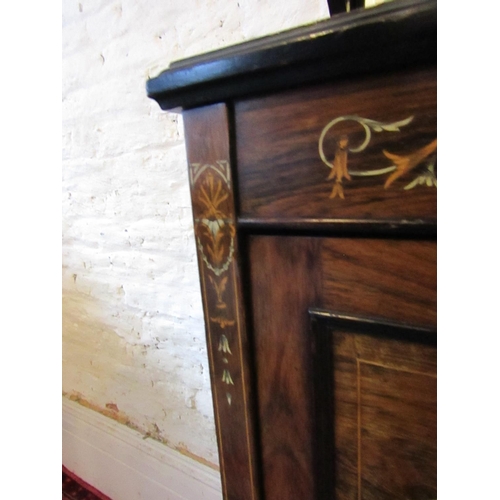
(423, 158)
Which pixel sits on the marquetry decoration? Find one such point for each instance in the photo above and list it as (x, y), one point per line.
(212, 197)
(422, 160)
(315, 187)
(214, 227)
(215, 239)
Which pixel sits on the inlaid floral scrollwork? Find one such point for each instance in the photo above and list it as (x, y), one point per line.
(401, 164)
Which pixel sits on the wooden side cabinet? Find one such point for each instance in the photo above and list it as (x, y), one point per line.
(313, 171)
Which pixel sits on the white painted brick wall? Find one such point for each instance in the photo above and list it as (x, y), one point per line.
(133, 333)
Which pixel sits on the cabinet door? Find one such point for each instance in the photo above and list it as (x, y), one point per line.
(345, 355)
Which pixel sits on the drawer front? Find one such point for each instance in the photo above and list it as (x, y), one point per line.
(353, 150)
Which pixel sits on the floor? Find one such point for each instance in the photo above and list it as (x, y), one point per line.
(74, 488)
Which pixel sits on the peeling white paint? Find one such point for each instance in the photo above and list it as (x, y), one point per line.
(133, 333)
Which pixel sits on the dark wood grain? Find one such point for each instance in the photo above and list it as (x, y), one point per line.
(398, 432)
(287, 231)
(207, 139)
(283, 176)
(393, 279)
(284, 277)
(379, 399)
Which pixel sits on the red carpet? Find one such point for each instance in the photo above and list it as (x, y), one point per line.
(74, 488)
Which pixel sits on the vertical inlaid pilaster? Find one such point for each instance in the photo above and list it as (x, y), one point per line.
(208, 150)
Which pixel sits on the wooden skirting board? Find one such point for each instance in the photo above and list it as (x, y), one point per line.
(121, 464)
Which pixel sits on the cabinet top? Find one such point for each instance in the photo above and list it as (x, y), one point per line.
(392, 36)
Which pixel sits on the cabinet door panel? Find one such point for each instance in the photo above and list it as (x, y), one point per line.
(376, 391)
(392, 279)
(375, 409)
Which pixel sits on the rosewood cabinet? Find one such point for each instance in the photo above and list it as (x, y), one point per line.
(312, 163)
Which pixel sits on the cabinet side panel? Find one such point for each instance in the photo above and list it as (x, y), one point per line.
(208, 151)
